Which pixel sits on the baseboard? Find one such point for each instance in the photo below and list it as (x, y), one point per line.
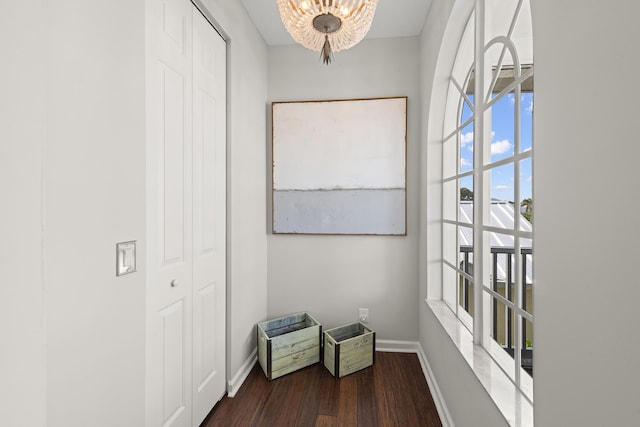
(392, 346)
(441, 406)
(242, 374)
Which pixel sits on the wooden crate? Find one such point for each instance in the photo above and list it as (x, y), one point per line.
(288, 343)
(349, 348)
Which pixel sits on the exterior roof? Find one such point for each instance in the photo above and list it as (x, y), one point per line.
(502, 216)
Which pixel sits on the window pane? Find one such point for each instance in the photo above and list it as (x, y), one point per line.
(526, 191)
(452, 108)
(449, 287)
(465, 263)
(450, 200)
(503, 75)
(528, 288)
(502, 335)
(465, 239)
(466, 148)
(467, 111)
(501, 264)
(527, 348)
(464, 58)
(503, 325)
(500, 181)
(466, 200)
(466, 294)
(502, 127)
(449, 244)
(526, 118)
(501, 14)
(522, 33)
(449, 156)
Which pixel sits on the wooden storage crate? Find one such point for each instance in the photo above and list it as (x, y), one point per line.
(349, 348)
(288, 343)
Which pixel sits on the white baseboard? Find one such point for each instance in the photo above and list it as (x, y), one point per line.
(441, 406)
(242, 374)
(415, 347)
(390, 346)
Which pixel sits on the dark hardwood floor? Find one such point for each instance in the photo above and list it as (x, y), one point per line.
(393, 392)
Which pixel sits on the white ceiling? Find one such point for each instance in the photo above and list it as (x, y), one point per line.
(393, 18)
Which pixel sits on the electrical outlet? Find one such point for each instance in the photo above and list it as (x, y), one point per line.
(363, 315)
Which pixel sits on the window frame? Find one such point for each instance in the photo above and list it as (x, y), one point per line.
(484, 77)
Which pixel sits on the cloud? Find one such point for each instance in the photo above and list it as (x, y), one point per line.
(523, 98)
(503, 187)
(500, 147)
(464, 162)
(529, 108)
(466, 138)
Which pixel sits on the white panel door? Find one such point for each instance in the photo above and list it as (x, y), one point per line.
(169, 213)
(186, 206)
(209, 220)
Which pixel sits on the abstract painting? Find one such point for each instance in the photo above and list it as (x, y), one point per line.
(339, 167)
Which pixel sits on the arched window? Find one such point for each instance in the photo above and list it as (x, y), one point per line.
(487, 202)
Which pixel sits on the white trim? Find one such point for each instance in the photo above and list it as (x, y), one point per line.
(236, 382)
(393, 346)
(436, 394)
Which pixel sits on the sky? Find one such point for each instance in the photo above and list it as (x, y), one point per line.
(502, 146)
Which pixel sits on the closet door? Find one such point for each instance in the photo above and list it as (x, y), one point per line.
(209, 220)
(186, 206)
(169, 213)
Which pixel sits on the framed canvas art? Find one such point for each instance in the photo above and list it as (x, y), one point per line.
(339, 167)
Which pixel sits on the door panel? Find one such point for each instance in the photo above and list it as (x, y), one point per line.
(171, 192)
(205, 344)
(169, 213)
(172, 367)
(209, 175)
(204, 170)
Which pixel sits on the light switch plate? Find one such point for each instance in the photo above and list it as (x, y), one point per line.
(125, 257)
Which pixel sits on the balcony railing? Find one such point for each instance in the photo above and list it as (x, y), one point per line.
(502, 283)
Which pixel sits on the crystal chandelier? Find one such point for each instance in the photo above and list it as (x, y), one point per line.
(327, 26)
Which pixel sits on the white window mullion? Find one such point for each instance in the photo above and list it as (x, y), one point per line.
(478, 178)
(517, 224)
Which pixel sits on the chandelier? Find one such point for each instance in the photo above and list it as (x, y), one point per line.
(327, 26)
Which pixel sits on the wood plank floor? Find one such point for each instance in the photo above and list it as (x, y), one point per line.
(393, 392)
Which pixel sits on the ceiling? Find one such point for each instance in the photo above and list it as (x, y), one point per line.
(393, 18)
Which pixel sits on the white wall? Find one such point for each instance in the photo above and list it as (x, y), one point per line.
(94, 186)
(586, 203)
(72, 182)
(332, 276)
(22, 330)
(246, 162)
